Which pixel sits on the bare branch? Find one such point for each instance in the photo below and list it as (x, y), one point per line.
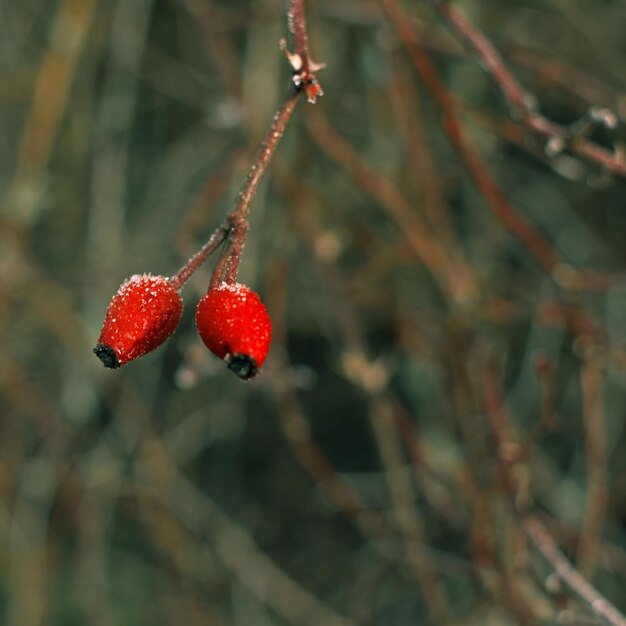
(238, 217)
(569, 575)
(522, 104)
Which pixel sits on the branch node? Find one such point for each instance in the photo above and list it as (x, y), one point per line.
(303, 73)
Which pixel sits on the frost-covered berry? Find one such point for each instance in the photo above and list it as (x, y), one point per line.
(234, 324)
(141, 316)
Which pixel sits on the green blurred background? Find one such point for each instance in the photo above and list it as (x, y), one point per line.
(377, 471)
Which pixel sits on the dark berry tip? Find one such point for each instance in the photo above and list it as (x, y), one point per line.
(107, 355)
(243, 365)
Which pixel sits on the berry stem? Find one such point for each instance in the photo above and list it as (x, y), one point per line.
(238, 217)
(236, 226)
(215, 240)
(220, 266)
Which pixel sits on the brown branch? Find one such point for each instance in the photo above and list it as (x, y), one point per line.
(497, 202)
(214, 242)
(297, 26)
(304, 67)
(303, 80)
(535, 530)
(521, 103)
(550, 71)
(451, 282)
(424, 170)
(238, 217)
(542, 540)
(236, 224)
(590, 542)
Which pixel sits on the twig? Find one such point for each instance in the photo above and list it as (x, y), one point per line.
(521, 103)
(500, 206)
(297, 26)
(592, 386)
(236, 225)
(410, 120)
(214, 242)
(555, 72)
(542, 540)
(432, 254)
(304, 67)
(238, 217)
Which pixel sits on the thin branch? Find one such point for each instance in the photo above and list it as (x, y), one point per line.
(427, 174)
(451, 282)
(238, 217)
(214, 242)
(542, 540)
(521, 103)
(590, 542)
(237, 220)
(504, 211)
(297, 26)
(219, 268)
(236, 224)
(304, 67)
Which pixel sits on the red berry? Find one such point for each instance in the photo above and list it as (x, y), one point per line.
(141, 316)
(234, 325)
